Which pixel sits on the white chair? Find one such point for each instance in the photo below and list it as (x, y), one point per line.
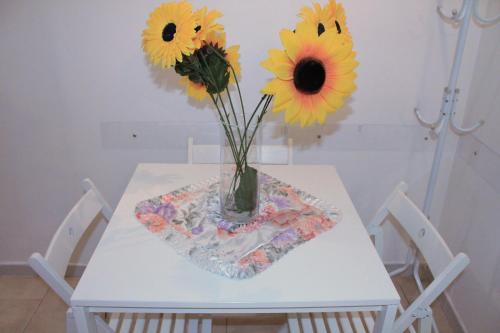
(443, 265)
(269, 154)
(52, 268)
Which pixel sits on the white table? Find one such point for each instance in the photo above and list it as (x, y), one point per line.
(132, 270)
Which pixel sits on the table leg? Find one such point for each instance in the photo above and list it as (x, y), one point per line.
(85, 321)
(385, 319)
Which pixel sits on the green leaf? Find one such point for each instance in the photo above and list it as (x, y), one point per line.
(246, 194)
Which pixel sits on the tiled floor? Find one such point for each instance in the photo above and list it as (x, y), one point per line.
(28, 305)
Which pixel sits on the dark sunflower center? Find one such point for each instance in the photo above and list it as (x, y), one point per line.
(198, 28)
(338, 27)
(321, 29)
(169, 32)
(309, 76)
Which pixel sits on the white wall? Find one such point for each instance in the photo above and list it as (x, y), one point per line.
(75, 85)
(471, 221)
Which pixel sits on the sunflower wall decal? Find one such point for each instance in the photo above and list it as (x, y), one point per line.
(314, 73)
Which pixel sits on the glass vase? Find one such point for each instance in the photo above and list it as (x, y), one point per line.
(239, 177)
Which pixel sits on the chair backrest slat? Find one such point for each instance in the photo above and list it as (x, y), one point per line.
(210, 154)
(71, 230)
(275, 154)
(205, 154)
(421, 231)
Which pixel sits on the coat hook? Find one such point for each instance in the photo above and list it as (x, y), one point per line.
(464, 130)
(428, 124)
(482, 20)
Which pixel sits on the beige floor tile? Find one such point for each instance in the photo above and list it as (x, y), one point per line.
(219, 325)
(72, 281)
(400, 290)
(22, 287)
(444, 324)
(409, 288)
(50, 317)
(15, 314)
(257, 324)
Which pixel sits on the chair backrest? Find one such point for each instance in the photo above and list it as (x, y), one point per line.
(52, 267)
(269, 154)
(443, 265)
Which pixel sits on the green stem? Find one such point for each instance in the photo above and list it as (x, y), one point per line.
(231, 136)
(237, 85)
(239, 172)
(259, 120)
(224, 125)
(234, 115)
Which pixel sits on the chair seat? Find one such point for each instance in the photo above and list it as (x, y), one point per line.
(158, 322)
(339, 322)
(146, 323)
(359, 322)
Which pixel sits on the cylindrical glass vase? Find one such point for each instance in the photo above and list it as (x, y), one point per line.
(239, 176)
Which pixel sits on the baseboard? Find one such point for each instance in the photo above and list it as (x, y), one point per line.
(21, 268)
(391, 266)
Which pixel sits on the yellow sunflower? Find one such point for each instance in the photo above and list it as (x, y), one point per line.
(205, 23)
(314, 74)
(196, 90)
(232, 52)
(217, 39)
(169, 33)
(331, 16)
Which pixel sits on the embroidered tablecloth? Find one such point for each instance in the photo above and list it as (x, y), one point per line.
(189, 220)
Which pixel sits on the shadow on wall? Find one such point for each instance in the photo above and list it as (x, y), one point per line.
(304, 138)
(168, 80)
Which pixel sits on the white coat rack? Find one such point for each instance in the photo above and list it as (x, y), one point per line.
(470, 9)
(446, 118)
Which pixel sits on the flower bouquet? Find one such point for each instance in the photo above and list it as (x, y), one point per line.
(313, 75)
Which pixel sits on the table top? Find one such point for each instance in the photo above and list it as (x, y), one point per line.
(131, 267)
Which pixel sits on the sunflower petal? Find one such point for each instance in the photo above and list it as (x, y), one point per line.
(345, 84)
(290, 42)
(334, 101)
(306, 31)
(271, 87)
(232, 56)
(345, 67)
(292, 113)
(280, 64)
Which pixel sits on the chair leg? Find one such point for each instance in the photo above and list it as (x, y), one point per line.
(192, 326)
(180, 323)
(306, 323)
(153, 322)
(319, 322)
(206, 325)
(424, 325)
(166, 323)
(70, 322)
(293, 323)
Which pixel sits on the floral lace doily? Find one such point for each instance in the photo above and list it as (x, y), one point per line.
(189, 220)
